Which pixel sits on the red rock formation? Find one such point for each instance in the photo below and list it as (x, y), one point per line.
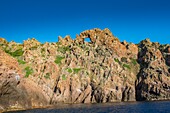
(15, 91)
(74, 71)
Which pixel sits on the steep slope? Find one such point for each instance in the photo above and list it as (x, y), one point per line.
(75, 71)
(16, 92)
(154, 78)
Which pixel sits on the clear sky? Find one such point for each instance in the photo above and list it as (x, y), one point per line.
(130, 20)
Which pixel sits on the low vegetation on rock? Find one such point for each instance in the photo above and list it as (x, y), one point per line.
(75, 71)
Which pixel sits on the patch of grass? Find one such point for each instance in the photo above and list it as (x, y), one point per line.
(21, 61)
(7, 51)
(87, 73)
(58, 59)
(76, 70)
(87, 48)
(126, 66)
(42, 50)
(43, 55)
(34, 48)
(29, 71)
(133, 61)
(63, 49)
(69, 70)
(117, 60)
(47, 76)
(63, 77)
(16, 53)
(58, 43)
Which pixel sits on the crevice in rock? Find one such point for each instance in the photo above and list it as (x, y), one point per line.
(54, 90)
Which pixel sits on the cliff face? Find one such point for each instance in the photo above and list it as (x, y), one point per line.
(74, 71)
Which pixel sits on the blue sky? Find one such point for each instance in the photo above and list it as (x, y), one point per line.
(130, 20)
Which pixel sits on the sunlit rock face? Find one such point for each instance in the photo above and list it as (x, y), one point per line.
(75, 71)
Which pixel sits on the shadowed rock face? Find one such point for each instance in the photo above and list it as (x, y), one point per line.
(75, 71)
(153, 78)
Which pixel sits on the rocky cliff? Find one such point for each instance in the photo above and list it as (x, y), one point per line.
(75, 71)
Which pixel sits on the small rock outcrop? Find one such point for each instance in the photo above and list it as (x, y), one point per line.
(74, 71)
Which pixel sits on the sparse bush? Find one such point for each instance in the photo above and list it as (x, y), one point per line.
(43, 55)
(134, 62)
(21, 61)
(58, 59)
(87, 48)
(126, 66)
(29, 71)
(63, 49)
(76, 70)
(47, 76)
(58, 43)
(63, 77)
(7, 50)
(69, 70)
(33, 48)
(117, 60)
(87, 73)
(42, 50)
(16, 53)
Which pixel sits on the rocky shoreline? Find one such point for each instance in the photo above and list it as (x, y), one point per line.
(74, 71)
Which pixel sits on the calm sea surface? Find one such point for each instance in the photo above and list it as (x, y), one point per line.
(123, 107)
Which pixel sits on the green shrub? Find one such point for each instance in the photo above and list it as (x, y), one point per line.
(117, 60)
(87, 48)
(58, 43)
(29, 71)
(134, 62)
(33, 48)
(63, 77)
(21, 61)
(17, 53)
(69, 70)
(43, 55)
(7, 51)
(58, 59)
(76, 70)
(42, 50)
(47, 76)
(126, 66)
(63, 49)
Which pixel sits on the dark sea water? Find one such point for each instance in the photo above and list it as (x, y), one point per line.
(123, 107)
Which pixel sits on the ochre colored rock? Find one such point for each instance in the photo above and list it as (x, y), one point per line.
(65, 41)
(30, 43)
